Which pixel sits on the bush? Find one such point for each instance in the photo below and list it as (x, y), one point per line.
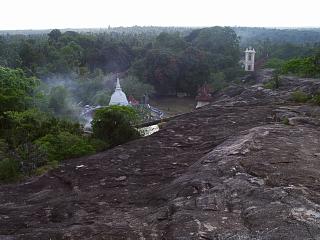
(64, 145)
(274, 83)
(316, 99)
(304, 67)
(300, 97)
(275, 63)
(114, 124)
(30, 157)
(286, 121)
(21, 127)
(9, 170)
(98, 144)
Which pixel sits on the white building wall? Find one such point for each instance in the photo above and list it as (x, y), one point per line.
(249, 59)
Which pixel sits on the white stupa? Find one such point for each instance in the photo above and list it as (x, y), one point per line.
(118, 97)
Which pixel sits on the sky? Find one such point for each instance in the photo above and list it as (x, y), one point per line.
(49, 14)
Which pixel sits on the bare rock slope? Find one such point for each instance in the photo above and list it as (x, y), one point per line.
(231, 170)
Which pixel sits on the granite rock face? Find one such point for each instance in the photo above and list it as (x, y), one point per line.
(231, 170)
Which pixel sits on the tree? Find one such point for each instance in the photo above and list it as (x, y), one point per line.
(194, 70)
(171, 41)
(135, 88)
(162, 71)
(54, 35)
(58, 101)
(114, 124)
(72, 55)
(17, 92)
(216, 40)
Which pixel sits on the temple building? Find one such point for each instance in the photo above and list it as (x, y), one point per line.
(204, 96)
(118, 97)
(249, 59)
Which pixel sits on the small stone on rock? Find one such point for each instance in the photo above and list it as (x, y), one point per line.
(121, 178)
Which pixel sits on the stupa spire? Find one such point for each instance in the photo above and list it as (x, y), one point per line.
(118, 87)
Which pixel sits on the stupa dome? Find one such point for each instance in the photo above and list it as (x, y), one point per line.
(118, 97)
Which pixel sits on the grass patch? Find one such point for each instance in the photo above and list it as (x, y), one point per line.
(300, 97)
(285, 121)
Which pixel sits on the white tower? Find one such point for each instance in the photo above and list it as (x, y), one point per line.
(118, 97)
(249, 59)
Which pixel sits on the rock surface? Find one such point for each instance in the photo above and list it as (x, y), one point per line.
(232, 170)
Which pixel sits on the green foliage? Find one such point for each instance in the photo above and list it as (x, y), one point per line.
(98, 144)
(304, 67)
(114, 124)
(161, 69)
(285, 121)
(275, 63)
(9, 170)
(316, 98)
(290, 36)
(171, 41)
(102, 98)
(59, 102)
(46, 168)
(300, 97)
(64, 145)
(132, 86)
(177, 64)
(218, 81)
(170, 61)
(16, 90)
(3, 149)
(221, 42)
(54, 35)
(30, 157)
(21, 127)
(91, 88)
(194, 70)
(274, 83)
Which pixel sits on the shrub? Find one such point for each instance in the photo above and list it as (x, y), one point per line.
(300, 97)
(46, 168)
(64, 145)
(274, 83)
(304, 67)
(114, 124)
(30, 157)
(9, 170)
(98, 144)
(21, 127)
(316, 98)
(275, 63)
(286, 121)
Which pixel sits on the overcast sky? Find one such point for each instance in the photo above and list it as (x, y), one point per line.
(48, 14)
